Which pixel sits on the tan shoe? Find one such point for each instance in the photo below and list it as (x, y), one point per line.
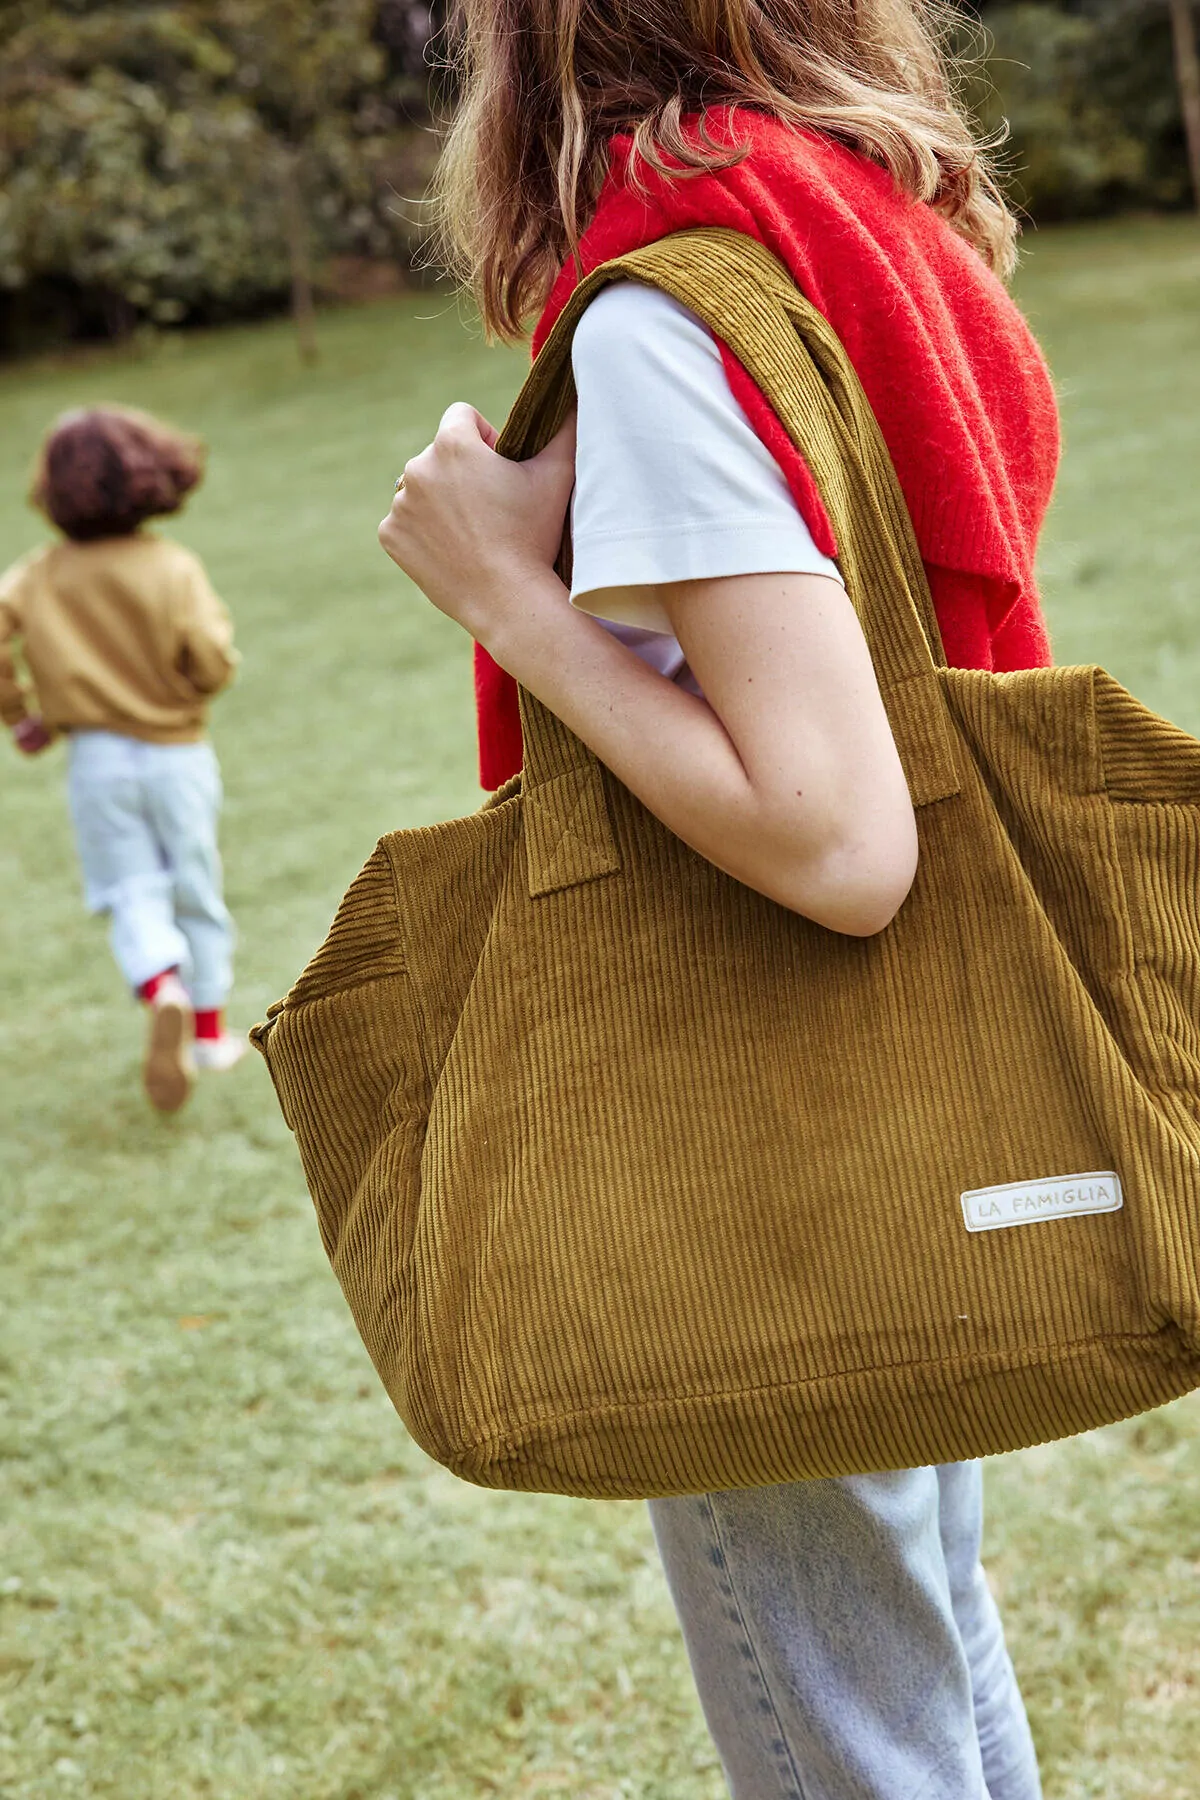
(167, 1072)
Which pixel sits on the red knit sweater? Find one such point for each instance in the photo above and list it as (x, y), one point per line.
(951, 369)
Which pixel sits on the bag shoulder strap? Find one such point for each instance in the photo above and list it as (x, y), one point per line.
(748, 299)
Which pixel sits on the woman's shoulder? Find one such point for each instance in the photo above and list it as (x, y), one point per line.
(631, 326)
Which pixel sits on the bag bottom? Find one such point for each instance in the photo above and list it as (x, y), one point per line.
(855, 1423)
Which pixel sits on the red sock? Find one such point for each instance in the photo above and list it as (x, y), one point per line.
(149, 988)
(208, 1022)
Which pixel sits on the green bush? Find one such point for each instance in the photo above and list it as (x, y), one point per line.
(1088, 93)
(146, 152)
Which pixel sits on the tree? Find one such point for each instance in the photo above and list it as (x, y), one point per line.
(1088, 91)
(1187, 71)
(124, 150)
(302, 68)
(185, 161)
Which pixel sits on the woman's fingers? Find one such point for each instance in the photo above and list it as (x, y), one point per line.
(460, 422)
(461, 432)
(469, 526)
(391, 527)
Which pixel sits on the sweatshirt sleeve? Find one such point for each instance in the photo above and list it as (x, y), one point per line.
(207, 658)
(15, 697)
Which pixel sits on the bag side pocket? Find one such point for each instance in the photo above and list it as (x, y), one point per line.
(1152, 779)
(346, 1051)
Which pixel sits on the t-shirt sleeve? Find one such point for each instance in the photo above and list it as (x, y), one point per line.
(671, 481)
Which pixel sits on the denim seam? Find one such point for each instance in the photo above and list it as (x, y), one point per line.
(798, 1792)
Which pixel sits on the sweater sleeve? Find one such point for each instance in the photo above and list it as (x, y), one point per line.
(15, 696)
(206, 658)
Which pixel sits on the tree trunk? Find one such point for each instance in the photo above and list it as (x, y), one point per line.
(296, 226)
(1187, 72)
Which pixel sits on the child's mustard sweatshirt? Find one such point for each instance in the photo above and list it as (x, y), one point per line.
(121, 634)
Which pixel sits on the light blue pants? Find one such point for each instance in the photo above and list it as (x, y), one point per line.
(145, 819)
(844, 1641)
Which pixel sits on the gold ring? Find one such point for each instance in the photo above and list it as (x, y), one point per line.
(399, 487)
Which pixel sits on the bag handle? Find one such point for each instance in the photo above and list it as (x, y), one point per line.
(788, 348)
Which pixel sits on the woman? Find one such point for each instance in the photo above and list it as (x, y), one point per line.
(841, 1632)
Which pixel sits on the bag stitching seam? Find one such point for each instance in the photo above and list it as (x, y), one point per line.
(982, 1364)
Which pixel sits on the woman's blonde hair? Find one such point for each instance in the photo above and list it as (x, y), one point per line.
(544, 85)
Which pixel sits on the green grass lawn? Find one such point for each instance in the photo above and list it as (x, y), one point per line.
(224, 1570)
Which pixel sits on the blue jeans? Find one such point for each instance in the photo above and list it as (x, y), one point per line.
(844, 1641)
(145, 819)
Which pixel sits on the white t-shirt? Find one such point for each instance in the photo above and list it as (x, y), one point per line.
(671, 481)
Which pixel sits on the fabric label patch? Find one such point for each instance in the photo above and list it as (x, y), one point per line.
(1025, 1202)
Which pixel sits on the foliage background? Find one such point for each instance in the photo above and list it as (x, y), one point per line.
(145, 152)
(146, 148)
(1088, 91)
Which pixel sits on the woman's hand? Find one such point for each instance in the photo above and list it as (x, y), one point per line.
(474, 530)
(785, 776)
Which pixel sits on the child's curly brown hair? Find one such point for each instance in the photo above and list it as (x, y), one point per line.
(102, 470)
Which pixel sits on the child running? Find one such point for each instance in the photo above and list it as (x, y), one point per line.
(124, 644)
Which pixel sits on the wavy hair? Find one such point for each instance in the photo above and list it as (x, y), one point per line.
(103, 470)
(544, 85)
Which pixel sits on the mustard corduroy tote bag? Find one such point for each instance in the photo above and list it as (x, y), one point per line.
(638, 1183)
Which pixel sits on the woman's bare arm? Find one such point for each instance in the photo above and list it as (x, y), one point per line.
(785, 775)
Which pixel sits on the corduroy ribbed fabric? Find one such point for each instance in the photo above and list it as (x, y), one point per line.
(640, 1184)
